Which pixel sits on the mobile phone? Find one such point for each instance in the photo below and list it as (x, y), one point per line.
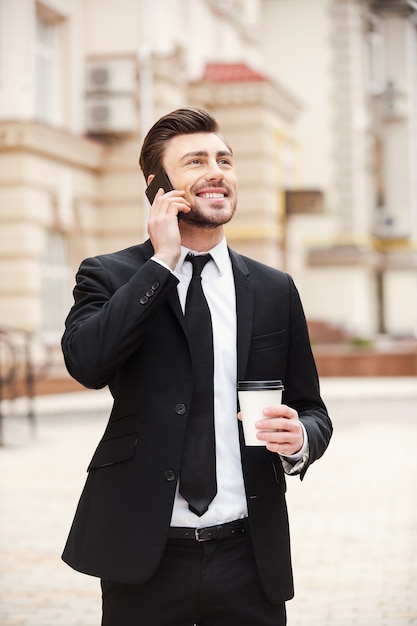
(160, 180)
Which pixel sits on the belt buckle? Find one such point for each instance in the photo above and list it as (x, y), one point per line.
(197, 536)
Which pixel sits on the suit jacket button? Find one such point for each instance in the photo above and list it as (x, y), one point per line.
(170, 475)
(155, 286)
(180, 409)
(150, 292)
(144, 300)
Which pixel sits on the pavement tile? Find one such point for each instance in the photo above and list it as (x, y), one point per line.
(353, 519)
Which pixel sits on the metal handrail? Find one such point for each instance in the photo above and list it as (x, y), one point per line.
(18, 365)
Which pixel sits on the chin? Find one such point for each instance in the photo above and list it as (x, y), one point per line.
(210, 218)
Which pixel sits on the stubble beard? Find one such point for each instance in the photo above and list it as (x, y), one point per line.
(211, 218)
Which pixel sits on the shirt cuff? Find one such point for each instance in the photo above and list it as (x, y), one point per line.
(293, 464)
(154, 258)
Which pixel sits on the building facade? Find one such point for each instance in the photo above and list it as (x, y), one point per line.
(358, 137)
(317, 97)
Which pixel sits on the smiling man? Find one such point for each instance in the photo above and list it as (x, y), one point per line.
(183, 523)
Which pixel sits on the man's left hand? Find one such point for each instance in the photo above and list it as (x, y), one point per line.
(281, 430)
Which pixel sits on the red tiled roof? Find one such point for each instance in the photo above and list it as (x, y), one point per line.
(231, 72)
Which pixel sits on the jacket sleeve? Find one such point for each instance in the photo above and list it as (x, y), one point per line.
(107, 321)
(302, 390)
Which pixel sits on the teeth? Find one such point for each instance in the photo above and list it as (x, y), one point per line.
(212, 195)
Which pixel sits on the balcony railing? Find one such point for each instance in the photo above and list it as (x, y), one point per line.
(24, 358)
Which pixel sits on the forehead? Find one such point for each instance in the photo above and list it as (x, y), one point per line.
(180, 146)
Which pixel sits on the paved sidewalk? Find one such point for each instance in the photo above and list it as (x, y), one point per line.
(353, 518)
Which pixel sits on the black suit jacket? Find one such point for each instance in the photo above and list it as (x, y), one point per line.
(126, 330)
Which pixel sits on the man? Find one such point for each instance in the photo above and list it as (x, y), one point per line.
(135, 525)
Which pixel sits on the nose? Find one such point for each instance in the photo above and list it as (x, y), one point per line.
(214, 171)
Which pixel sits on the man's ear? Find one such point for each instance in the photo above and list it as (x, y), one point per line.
(150, 179)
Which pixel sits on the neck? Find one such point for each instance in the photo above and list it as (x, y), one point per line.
(200, 239)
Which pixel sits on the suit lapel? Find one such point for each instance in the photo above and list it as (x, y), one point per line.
(172, 300)
(244, 310)
(244, 305)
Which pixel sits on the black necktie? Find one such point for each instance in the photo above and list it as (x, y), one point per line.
(198, 466)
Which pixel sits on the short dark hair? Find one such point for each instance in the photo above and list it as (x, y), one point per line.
(180, 122)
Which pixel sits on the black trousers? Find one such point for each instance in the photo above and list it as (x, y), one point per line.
(213, 583)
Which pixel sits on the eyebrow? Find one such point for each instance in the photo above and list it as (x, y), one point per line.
(204, 153)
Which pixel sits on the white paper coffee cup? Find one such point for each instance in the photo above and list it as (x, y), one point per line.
(254, 397)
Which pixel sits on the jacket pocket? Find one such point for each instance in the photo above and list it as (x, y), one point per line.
(272, 340)
(279, 473)
(114, 450)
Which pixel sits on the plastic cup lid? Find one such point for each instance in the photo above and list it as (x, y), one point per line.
(259, 385)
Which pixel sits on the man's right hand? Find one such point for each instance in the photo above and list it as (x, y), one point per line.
(163, 225)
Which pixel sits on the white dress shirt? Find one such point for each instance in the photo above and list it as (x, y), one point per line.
(219, 289)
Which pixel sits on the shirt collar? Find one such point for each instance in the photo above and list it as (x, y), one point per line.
(219, 253)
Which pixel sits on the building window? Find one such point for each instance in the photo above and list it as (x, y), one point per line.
(56, 286)
(375, 55)
(47, 68)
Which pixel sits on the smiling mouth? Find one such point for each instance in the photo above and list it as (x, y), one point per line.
(211, 195)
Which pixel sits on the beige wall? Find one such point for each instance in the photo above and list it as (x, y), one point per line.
(311, 125)
(326, 58)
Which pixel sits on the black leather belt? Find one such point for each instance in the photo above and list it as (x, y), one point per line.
(222, 531)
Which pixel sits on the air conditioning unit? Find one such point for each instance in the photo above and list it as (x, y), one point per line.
(111, 87)
(388, 226)
(393, 109)
(111, 114)
(117, 75)
(392, 103)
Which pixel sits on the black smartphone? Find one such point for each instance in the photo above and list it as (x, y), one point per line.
(160, 180)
